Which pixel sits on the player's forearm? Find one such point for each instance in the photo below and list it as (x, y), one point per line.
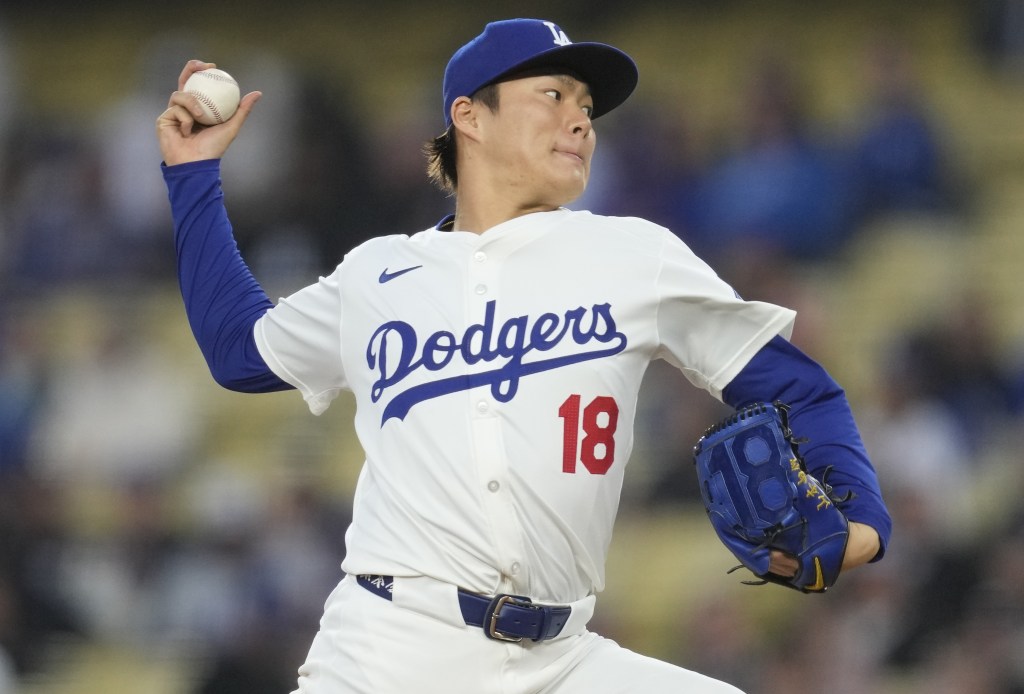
(821, 414)
(222, 299)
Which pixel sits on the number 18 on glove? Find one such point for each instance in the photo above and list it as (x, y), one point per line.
(759, 497)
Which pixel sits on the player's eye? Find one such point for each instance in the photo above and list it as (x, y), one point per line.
(556, 94)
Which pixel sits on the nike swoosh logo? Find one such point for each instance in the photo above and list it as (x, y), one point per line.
(386, 276)
(819, 578)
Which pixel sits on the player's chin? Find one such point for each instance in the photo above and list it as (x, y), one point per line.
(571, 186)
(577, 192)
(563, 196)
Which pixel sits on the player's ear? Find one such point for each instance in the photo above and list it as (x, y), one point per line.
(464, 116)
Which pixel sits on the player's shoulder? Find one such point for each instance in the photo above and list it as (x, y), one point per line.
(635, 230)
(382, 245)
(633, 225)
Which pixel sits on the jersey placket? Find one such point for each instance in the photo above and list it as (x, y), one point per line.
(486, 423)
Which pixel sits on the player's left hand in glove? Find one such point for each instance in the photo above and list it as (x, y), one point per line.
(760, 497)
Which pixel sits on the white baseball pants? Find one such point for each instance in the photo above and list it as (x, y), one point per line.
(420, 643)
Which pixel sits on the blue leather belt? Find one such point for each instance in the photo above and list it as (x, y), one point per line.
(502, 617)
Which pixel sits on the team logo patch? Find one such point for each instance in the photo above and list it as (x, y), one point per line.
(515, 348)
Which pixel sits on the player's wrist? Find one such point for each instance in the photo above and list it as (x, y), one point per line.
(862, 546)
(173, 165)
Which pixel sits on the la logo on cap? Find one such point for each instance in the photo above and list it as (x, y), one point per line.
(560, 38)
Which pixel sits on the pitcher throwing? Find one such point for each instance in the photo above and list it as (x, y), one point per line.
(495, 360)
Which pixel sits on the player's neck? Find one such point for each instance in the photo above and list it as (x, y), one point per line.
(480, 213)
(480, 224)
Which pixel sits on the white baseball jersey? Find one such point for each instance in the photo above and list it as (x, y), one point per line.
(496, 378)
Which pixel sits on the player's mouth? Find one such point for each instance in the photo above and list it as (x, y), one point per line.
(571, 154)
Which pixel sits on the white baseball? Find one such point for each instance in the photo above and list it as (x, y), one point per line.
(217, 92)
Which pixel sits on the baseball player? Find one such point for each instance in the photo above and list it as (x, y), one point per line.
(495, 360)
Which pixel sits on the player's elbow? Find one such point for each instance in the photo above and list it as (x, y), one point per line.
(226, 379)
(236, 364)
(247, 379)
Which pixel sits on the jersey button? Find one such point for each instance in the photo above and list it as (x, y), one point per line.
(514, 568)
(493, 485)
(479, 256)
(481, 289)
(482, 407)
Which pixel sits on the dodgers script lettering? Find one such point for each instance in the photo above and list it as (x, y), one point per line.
(395, 351)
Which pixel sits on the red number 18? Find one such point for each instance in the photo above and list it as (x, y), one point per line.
(597, 449)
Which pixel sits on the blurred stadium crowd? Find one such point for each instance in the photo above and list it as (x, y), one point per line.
(142, 509)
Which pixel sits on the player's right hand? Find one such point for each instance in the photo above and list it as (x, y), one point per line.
(183, 139)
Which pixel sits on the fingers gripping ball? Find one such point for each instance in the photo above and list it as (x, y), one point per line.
(217, 92)
(759, 497)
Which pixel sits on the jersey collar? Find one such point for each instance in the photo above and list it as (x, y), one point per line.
(446, 223)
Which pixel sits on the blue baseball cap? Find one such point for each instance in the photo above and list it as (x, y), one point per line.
(513, 45)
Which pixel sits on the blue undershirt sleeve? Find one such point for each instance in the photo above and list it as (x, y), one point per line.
(222, 299)
(819, 412)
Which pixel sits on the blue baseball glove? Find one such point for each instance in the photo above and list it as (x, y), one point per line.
(759, 497)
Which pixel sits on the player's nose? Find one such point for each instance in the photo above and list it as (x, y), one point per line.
(579, 123)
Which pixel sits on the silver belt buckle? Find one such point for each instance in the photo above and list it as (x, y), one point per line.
(495, 612)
